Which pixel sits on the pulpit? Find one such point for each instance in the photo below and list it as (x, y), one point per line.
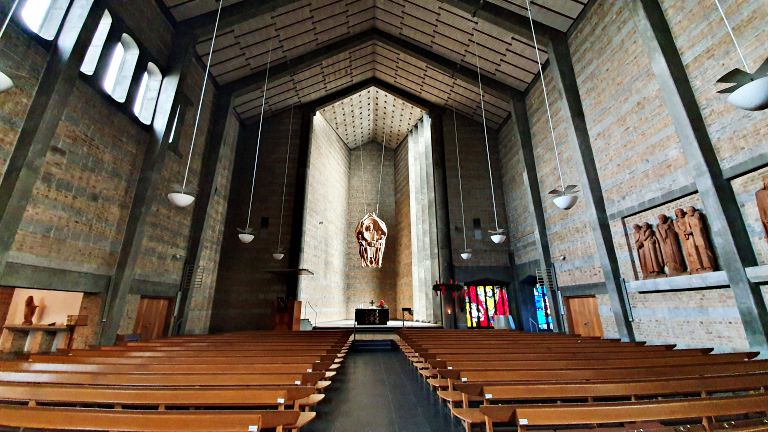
(287, 314)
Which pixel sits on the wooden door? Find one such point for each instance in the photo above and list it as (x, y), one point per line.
(583, 316)
(152, 317)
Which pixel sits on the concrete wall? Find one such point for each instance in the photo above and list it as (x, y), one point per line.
(326, 236)
(402, 225)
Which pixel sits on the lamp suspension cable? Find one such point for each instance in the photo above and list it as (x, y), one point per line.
(546, 98)
(381, 169)
(8, 18)
(202, 95)
(485, 133)
(461, 190)
(258, 138)
(285, 179)
(362, 180)
(730, 31)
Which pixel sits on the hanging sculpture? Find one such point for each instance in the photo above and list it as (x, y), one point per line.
(750, 90)
(371, 235)
(371, 231)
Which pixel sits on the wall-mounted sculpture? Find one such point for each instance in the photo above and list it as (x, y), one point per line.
(29, 310)
(652, 250)
(698, 225)
(670, 245)
(371, 236)
(761, 197)
(637, 236)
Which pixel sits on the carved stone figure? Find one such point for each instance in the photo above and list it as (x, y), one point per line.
(637, 235)
(686, 237)
(698, 226)
(761, 197)
(653, 256)
(29, 310)
(371, 236)
(670, 245)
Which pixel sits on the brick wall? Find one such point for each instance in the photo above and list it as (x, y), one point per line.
(326, 241)
(244, 292)
(365, 284)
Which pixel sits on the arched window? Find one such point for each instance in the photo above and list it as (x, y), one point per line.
(148, 93)
(97, 45)
(121, 67)
(44, 16)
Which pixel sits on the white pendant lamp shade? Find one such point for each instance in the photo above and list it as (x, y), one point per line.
(752, 96)
(6, 83)
(498, 236)
(565, 202)
(245, 237)
(278, 256)
(180, 199)
(466, 254)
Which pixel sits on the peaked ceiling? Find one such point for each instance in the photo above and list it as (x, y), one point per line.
(372, 115)
(424, 47)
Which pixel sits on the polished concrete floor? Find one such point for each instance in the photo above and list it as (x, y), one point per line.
(380, 392)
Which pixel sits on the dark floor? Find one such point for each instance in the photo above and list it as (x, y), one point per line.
(380, 392)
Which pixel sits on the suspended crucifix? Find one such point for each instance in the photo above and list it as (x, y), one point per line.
(371, 231)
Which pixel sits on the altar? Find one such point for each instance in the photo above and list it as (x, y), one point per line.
(372, 316)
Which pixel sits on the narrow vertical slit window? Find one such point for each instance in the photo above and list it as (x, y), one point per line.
(44, 16)
(149, 90)
(121, 67)
(97, 45)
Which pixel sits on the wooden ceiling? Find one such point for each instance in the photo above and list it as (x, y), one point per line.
(425, 47)
(372, 115)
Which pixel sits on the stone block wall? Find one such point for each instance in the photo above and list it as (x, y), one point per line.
(326, 235)
(402, 224)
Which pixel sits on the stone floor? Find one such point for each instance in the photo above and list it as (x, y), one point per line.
(379, 391)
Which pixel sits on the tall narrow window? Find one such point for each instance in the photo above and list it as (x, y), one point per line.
(121, 67)
(44, 16)
(149, 90)
(97, 45)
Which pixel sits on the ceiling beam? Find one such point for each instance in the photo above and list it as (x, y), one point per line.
(202, 25)
(502, 17)
(255, 81)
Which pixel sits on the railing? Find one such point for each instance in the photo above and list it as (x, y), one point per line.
(304, 314)
(535, 324)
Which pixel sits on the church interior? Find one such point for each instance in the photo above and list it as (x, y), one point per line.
(384, 215)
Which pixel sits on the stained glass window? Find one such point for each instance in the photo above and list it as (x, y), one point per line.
(483, 304)
(543, 314)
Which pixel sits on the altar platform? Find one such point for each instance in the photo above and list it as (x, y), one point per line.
(391, 326)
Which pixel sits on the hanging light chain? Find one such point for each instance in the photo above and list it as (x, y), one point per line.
(285, 179)
(730, 31)
(461, 191)
(485, 133)
(381, 168)
(362, 182)
(258, 138)
(202, 95)
(546, 99)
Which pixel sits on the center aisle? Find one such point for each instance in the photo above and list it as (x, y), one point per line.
(379, 391)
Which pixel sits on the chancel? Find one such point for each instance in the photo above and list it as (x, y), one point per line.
(383, 215)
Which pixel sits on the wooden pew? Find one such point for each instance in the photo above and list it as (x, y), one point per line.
(624, 412)
(203, 353)
(182, 359)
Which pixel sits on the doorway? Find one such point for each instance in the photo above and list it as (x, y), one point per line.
(584, 316)
(152, 317)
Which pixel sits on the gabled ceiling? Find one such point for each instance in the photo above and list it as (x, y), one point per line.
(425, 47)
(372, 115)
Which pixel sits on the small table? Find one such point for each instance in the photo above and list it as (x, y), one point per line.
(372, 316)
(33, 338)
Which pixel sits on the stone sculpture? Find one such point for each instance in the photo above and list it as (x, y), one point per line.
(686, 236)
(29, 310)
(670, 245)
(761, 197)
(652, 251)
(371, 236)
(637, 235)
(698, 227)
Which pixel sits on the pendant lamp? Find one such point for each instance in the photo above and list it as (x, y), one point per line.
(565, 197)
(498, 235)
(279, 253)
(182, 196)
(465, 253)
(750, 91)
(246, 234)
(6, 83)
